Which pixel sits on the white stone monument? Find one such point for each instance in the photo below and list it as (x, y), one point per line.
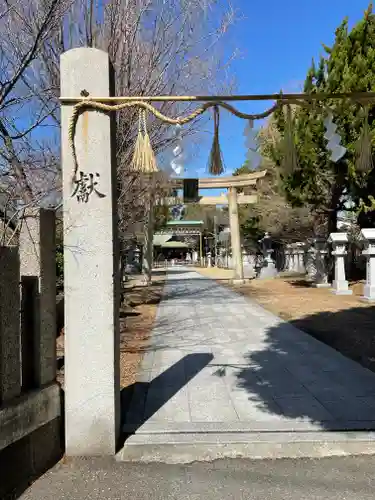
(368, 237)
(339, 242)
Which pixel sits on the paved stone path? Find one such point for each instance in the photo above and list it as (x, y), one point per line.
(218, 362)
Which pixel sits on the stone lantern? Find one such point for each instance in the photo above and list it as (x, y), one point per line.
(137, 255)
(368, 237)
(339, 243)
(320, 254)
(268, 269)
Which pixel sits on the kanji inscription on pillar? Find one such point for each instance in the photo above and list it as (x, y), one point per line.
(85, 186)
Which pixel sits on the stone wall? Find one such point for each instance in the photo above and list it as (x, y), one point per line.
(30, 398)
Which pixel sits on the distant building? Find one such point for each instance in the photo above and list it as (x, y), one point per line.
(177, 239)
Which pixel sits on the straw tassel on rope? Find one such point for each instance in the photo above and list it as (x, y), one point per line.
(144, 160)
(215, 162)
(89, 103)
(364, 163)
(136, 163)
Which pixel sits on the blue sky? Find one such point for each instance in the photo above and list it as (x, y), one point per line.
(277, 40)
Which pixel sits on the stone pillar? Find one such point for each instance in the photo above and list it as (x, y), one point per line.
(321, 274)
(10, 364)
(288, 258)
(339, 241)
(368, 236)
(300, 258)
(235, 235)
(293, 258)
(37, 248)
(209, 260)
(310, 263)
(91, 278)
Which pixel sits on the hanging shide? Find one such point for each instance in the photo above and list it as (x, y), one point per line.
(144, 158)
(215, 161)
(364, 161)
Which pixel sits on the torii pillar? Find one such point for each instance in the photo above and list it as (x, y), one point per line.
(91, 277)
(238, 276)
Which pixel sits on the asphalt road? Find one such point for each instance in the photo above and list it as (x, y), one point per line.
(333, 478)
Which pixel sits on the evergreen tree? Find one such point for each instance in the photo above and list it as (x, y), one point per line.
(347, 66)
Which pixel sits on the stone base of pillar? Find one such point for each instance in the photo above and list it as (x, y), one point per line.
(322, 285)
(249, 273)
(341, 288)
(368, 293)
(268, 271)
(238, 282)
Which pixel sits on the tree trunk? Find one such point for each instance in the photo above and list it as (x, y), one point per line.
(148, 247)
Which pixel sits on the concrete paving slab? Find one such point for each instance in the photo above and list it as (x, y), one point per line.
(218, 359)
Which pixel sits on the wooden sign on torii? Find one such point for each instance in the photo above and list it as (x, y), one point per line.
(232, 199)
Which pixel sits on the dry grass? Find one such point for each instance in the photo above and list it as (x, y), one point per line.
(136, 322)
(136, 326)
(293, 298)
(346, 323)
(216, 273)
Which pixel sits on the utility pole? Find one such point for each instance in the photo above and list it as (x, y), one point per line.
(201, 248)
(215, 240)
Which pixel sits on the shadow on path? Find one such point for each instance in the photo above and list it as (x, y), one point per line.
(140, 401)
(197, 292)
(350, 332)
(298, 377)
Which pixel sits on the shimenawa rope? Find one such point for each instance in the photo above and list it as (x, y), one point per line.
(182, 120)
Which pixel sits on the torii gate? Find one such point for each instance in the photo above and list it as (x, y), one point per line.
(91, 256)
(232, 199)
(91, 277)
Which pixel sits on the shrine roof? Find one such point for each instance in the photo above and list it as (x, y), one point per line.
(185, 223)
